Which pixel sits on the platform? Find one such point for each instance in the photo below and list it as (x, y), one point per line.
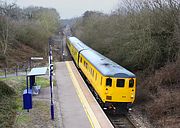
(78, 107)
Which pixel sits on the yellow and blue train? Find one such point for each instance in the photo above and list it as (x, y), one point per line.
(114, 86)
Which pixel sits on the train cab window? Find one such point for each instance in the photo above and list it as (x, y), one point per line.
(109, 82)
(131, 83)
(120, 82)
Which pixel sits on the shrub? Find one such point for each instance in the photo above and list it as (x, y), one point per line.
(7, 105)
(5, 90)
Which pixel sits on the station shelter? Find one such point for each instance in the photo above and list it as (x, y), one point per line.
(32, 88)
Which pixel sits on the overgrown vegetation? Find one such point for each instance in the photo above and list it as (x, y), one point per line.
(144, 37)
(11, 90)
(7, 105)
(145, 34)
(23, 33)
(30, 26)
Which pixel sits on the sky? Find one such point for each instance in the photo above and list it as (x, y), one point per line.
(72, 8)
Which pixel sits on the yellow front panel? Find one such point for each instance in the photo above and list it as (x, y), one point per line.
(121, 94)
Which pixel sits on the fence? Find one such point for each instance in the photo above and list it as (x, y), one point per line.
(20, 69)
(9, 72)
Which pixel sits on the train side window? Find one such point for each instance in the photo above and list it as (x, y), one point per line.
(96, 76)
(101, 80)
(85, 64)
(131, 83)
(109, 82)
(81, 60)
(120, 82)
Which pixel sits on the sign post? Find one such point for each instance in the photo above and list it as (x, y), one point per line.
(50, 79)
(36, 58)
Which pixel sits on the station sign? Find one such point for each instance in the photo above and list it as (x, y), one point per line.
(36, 58)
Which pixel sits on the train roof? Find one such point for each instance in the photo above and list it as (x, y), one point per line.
(79, 45)
(106, 66)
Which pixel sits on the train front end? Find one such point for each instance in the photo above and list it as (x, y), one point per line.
(119, 93)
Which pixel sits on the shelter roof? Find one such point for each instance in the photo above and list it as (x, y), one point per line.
(38, 71)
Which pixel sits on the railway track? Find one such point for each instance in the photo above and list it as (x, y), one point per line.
(121, 121)
(118, 121)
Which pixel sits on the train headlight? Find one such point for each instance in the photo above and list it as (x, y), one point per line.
(132, 96)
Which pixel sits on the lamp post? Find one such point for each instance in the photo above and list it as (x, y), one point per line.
(50, 78)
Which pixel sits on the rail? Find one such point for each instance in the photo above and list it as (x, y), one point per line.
(121, 121)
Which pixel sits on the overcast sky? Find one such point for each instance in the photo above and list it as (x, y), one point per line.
(72, 8)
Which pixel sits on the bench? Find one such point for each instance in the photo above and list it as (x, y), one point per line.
(36, 89)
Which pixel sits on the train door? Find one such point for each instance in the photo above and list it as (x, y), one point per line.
(109, 89)
(80, 57)
(131, 88)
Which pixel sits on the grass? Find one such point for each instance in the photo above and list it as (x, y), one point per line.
(7, 105)
(42, 82)
(19, 82)
(38, 116)
(23, 118)
(2, 73)
(11, 90)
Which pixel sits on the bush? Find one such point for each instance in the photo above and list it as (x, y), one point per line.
(7, 105)
(161, 95)
(144, 35)
(5, 90)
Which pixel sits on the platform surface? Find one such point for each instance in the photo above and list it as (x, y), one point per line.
(78, 107)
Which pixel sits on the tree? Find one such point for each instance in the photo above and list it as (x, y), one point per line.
(5, 25)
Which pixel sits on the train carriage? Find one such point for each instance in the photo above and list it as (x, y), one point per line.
(114, 85)
(75, 46)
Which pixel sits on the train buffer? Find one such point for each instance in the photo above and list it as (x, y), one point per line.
(79, 108)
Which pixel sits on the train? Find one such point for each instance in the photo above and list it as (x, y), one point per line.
(113, 85)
